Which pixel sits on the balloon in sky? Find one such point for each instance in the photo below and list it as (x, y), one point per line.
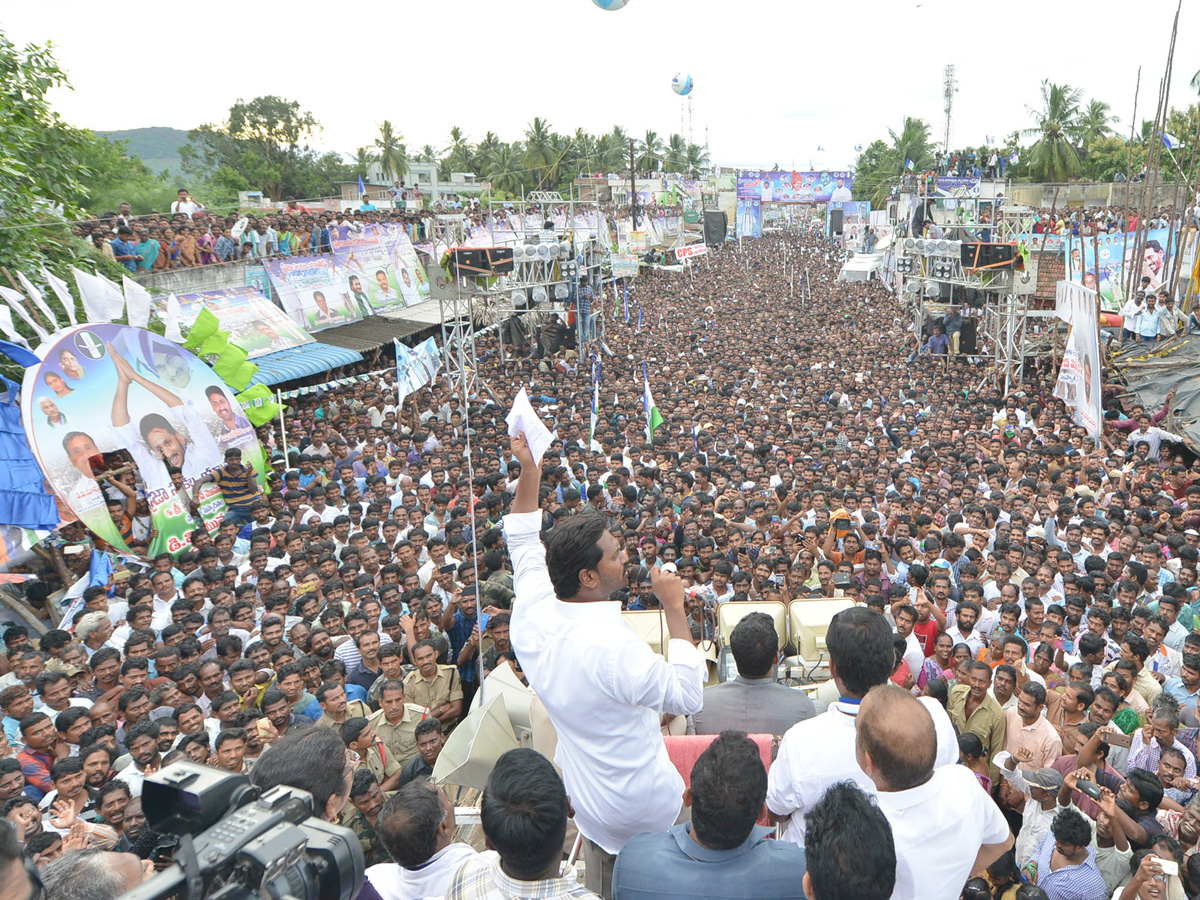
(682, 84)
(611, 5)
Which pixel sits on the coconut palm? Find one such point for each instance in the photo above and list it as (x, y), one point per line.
(539, 149)
(458, 158)
(393, 155)
(505, 168)
(1095, 121)
(650, 151)
(428, 154)
(697, 157)
(1054, 157)
(364, 158)
(676, 154)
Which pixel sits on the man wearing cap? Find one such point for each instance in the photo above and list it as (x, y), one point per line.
(1040, 788)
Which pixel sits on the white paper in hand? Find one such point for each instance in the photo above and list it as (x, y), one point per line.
(522, 418)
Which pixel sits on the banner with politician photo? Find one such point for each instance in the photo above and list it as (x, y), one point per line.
(366, 267)
(1117, 254)
(254, 323)
(749, 218)
(794, 187)
(1078, 384)
(313, 293)
(123, 423)
(414, 284)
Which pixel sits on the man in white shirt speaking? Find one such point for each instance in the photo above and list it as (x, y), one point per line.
(603, 687)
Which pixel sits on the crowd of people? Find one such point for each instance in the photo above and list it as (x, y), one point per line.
(1011, 708)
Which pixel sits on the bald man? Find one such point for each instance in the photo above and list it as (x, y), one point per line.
(945, 828)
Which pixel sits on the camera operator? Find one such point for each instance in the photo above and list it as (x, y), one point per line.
(314, 760)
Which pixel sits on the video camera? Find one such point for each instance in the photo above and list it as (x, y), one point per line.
(236, 842)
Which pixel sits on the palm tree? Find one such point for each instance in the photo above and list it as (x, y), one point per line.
(1053, 157)
(1095, 121)
(697, 157)
(459, 151)
(504, 172)
(649, 151)
(485, 152)
(428, 154)
(393, 155)
(539, 149)
(676, 154)
(612, 150)
(364, 158)
(1195, 83)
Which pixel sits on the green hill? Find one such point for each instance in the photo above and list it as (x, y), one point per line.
(157, 147)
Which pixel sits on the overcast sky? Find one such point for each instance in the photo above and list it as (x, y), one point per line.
(772, 84)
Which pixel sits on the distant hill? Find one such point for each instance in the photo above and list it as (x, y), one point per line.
(157, 147)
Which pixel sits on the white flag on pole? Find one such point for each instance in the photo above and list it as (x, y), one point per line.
(17, 302)
(63, 292)
(137, 301)
(36, 296)
(102, 300)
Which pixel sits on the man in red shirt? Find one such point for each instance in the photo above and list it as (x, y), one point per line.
(927, 627)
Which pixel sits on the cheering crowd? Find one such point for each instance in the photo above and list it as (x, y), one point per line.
(1012, 704)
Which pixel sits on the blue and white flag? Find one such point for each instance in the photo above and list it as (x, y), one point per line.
(361, 190)
(626, 291)
(639, 328)
(1171, 142)
(908, 164)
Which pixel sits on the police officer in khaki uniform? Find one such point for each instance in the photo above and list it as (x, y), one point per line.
(396, 721)
(432, 686)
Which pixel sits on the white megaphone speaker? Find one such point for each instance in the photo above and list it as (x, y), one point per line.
(472, 749)
(502, 680)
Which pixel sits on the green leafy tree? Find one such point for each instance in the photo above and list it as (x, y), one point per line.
(675, 158)
(264, 141)
(1053, 156)
(43, 173)
(364, 158)
(697, 157)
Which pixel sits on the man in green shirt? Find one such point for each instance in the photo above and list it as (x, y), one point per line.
(973, 709)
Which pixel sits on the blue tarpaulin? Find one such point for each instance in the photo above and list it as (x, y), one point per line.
(301, 362)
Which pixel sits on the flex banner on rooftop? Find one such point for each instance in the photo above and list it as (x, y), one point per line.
(110, 396)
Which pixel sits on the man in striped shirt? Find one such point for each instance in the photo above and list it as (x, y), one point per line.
(238, 484)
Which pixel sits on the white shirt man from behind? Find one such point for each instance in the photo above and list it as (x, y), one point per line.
(945, 829)
(819, 752)
(603, 687)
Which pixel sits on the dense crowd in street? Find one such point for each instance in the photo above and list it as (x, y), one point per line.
(1014, 676)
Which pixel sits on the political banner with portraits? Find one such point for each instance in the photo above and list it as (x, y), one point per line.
(313, 293)
(749, 218)
(794, 187)
(1117, 256)
(254, 323)
(123, 423)
(414, 283)
(371, 265)
(1078, 384)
